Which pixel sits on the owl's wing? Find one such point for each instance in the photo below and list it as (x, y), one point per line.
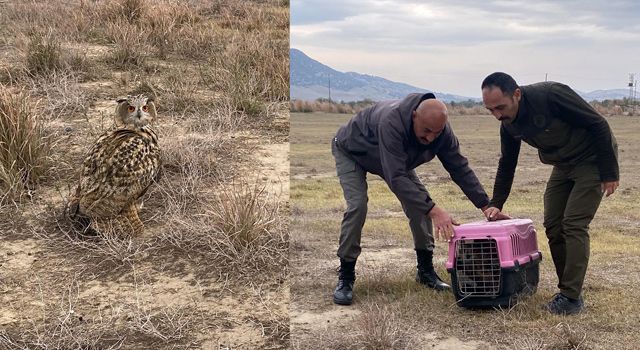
(121, 166)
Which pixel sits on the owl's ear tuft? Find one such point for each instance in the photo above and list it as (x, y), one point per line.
(151, 99)
(120, 100)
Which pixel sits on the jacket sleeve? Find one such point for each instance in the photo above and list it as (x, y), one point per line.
(458, 167)
(394, 166)
(574, 110)
(510, 149)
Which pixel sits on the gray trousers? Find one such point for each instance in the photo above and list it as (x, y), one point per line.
(353, 179)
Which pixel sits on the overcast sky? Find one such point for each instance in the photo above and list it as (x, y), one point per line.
(451, 45)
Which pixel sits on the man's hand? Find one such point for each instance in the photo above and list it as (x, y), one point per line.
(443, 223)
(493, 214)
(608, 187)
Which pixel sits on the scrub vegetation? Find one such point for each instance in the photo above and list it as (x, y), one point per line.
(211, 269)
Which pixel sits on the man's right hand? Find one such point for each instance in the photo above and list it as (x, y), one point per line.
(493, 214)
(443, 223)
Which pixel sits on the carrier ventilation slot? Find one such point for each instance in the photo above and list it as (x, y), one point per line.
(478, 267)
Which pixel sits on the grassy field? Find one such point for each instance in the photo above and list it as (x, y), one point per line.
(391, 311)
(211, 269)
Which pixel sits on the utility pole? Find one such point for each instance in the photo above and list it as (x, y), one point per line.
(329, 87)
(631, 86)
(633, 102)
(545, 76)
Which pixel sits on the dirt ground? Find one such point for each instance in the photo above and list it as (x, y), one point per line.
(51, 288)
(187, 282)
(391, 310)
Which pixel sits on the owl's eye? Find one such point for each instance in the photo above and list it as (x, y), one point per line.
(131, 109)
(145, 108)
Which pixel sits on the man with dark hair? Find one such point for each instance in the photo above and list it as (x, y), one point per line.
(570, 135)
(391, 139)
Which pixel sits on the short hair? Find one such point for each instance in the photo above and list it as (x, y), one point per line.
(503, 81)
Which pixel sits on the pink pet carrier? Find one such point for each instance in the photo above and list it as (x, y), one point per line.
(493, 263)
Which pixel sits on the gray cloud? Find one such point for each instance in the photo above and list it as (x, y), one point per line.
(586, 40)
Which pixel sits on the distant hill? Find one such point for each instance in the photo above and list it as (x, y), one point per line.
(600, 95)
(310, 81)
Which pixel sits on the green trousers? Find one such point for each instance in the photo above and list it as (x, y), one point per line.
(571, 199)
(353, 179)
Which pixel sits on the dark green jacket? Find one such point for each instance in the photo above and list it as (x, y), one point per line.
(564, 128)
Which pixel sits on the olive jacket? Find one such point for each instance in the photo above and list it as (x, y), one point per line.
(564, 128)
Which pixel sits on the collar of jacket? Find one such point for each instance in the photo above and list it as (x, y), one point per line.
(406, 107)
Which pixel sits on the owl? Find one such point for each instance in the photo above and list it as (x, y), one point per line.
(119, 168)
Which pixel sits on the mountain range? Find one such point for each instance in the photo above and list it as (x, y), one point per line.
(310, 80)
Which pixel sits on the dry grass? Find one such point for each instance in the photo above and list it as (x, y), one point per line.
(379, 328)
(242, 47)
(326, 106)
(129, 42)
(240, 229)
(243, 217)
(387, 265)
(65, 323)
(211, 266)
(607, 108)
(43, 54)
(24, 146)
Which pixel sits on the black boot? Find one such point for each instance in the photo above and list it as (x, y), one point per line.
(343, 294)
(426, 274)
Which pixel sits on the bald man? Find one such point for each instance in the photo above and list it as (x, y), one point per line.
(391, 139)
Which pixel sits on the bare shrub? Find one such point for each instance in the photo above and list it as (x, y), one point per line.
(169, 325)
(24, 145)
(105, 242)
(65, 322)
(63, 97)
(59, 326)
(467, 108)
(300, 106)
(328, 106)
(275, 324)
